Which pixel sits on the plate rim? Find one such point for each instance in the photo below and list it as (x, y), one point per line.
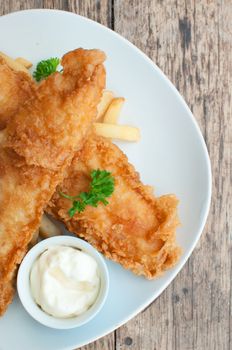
(178, 95)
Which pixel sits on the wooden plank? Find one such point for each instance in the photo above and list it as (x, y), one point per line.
(191, 42)
(99, 11)
(17, 5)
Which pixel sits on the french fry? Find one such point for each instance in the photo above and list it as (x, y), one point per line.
(48, 228)
(106, 99)
(113, 111)
(34, 239)
(27, 64)
(14, 64)
(120, 132)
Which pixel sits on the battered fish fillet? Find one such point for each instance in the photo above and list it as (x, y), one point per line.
(35, 149)
(135, 228)
(15, 88)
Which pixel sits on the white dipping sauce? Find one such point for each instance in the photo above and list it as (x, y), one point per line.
(65, 281)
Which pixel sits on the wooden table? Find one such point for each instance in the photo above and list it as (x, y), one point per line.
(191, 41)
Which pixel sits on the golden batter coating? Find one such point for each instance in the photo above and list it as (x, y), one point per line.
(36, 148)
(135, 229)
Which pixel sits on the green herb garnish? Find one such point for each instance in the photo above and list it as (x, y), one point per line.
(101, 187)
(45, 68)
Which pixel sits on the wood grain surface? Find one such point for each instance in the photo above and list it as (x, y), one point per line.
(191, 41)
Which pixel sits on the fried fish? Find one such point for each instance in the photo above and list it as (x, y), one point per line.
(136, 229)
(37, 146)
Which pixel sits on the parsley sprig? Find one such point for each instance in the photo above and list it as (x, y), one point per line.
(101, 187)
(45, 68)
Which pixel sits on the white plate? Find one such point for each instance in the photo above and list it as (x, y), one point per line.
(172, 156)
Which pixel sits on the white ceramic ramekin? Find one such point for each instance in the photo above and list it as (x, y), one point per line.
(24, 290)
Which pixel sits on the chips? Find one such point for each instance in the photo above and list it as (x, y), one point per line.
(27, 64)
(115, 131)
(109, 110)
(106, 99)
(14, 64)
(112, 113)
(34, 239)
(48, 228)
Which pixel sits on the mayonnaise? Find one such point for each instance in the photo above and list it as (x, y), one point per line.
(65, 281)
